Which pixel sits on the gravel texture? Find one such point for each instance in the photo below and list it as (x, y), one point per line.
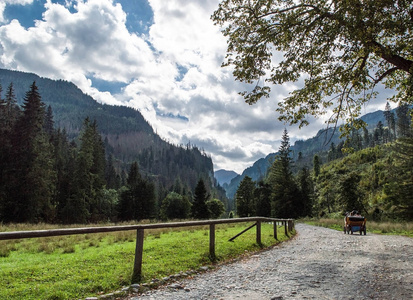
(318, 263)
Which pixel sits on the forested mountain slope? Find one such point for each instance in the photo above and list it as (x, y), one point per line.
(127, 135)
(303, 151)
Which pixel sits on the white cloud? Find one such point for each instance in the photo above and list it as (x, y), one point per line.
(175, 69)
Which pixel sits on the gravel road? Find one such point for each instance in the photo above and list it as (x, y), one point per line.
(318, 263)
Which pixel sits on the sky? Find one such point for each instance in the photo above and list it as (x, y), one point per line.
(161, 57)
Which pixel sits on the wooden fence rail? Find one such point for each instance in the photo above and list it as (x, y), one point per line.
(137, 270)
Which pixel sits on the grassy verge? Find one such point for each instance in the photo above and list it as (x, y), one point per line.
(79, 266)
(405, 228)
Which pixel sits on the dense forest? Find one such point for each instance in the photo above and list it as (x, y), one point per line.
(46, 176)
(370, 171)
(127, 136)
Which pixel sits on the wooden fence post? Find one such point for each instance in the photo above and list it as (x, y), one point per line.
(137, 267)
(212, 241)
(285, 228)
(275, 230)
(259, 233)
(290, 225)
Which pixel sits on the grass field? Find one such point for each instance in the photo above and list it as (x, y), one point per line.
(403, 228)
(78, 266)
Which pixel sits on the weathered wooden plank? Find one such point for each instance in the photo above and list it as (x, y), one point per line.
(245, 230)
(70, 231)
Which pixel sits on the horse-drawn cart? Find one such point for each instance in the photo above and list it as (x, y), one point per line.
(354, 224)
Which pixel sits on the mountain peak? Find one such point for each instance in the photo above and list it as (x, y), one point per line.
(224, 176)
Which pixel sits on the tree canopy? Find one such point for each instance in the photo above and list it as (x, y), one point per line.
(340, 49)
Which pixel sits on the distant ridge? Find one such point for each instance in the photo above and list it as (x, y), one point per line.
(308, 148)
(224, 176)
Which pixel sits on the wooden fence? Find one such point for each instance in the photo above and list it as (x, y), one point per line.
(137, 270)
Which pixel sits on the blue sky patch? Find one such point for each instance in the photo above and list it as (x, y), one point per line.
(25, 14)
(139, 15)
(113, 87)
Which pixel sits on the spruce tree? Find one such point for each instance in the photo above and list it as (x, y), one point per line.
(316, 162)
(262, 199)
(403, 120)
(85, 202)
(400, 192)
(306, 192)
(199, 208)
(244, 198)
(391, 121)
(33, 179)
(137, 200)
(285, 192)
(65, 155)
(111, 177)
(350, 195)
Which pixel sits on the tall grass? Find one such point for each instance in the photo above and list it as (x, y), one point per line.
(78, 266)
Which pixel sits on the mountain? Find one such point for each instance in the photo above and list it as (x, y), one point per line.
(306, 149)
(224, 176)
(128, 136)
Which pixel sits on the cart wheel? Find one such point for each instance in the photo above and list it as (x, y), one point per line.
(361, 232)
(365, 231)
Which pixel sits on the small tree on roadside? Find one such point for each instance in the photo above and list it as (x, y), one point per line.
(175, 206)
(215, 207)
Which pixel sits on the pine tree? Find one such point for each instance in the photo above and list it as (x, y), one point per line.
(403, 120)
(48, 121)
(137, 200)
(391, 121)
(262, 199)
(65, 155)
(316, 161)
(400, 191)
(244, 198)
(306, 192)
(85, 202)
(111, 177)
(379, 133)
(285, 191)
(366, 138)
(199, 208)
(10, 109)
(33, 179)
(349, 194)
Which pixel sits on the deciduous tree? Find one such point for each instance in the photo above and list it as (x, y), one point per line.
(338, 51)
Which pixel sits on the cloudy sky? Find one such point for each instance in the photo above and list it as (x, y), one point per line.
(161, 57)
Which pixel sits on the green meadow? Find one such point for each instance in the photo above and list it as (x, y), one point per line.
(80, 266)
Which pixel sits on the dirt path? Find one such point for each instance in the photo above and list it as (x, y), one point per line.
(319, 263)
